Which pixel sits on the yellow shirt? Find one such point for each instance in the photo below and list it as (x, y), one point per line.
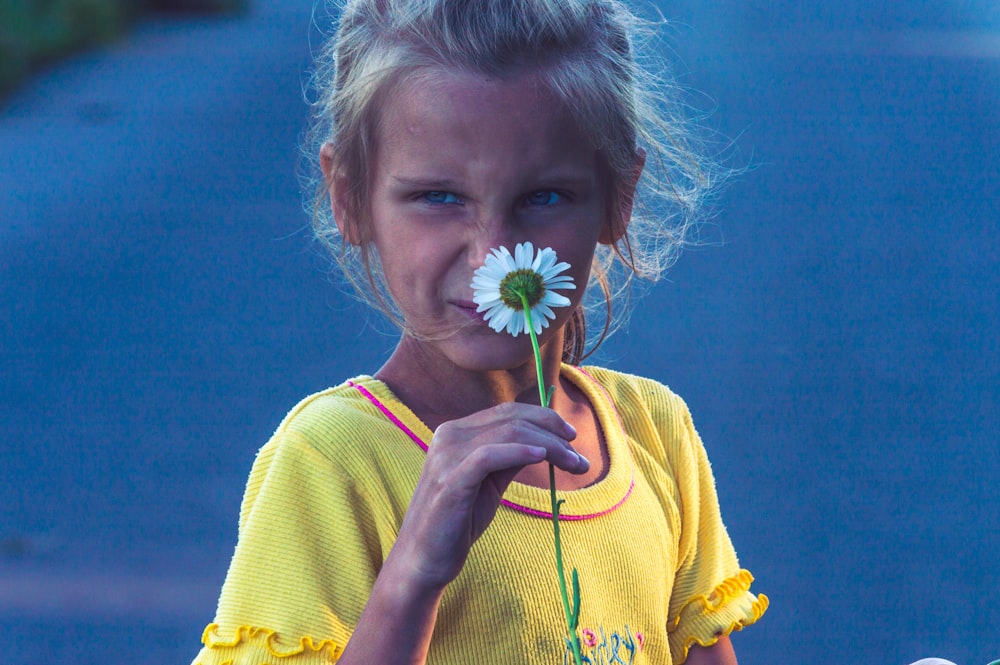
(328, 492)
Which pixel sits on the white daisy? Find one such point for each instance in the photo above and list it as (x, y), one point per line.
(501, 281)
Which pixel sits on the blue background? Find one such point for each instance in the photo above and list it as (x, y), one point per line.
(162, 305)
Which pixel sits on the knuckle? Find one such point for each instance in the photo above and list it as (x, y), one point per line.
(514, 430)
(478, 456)
(507, 409)
(446, 435)
(443, 430)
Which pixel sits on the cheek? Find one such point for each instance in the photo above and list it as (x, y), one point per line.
(416, 270)
(582, 270)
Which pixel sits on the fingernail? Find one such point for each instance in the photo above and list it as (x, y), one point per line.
(584, 462)
(571, 430)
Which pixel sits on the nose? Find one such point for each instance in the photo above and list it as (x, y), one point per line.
(492, 231)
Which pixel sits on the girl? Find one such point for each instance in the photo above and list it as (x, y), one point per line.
(404, 517)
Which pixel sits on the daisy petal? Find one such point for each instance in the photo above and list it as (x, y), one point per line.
(539, 323)
(524, 255)
(558, 268)
(554, 299)
(501, 319)
(544, 262)
(543, 310)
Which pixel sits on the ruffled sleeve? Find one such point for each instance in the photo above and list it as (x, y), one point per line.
(308, 552)
(711, 593)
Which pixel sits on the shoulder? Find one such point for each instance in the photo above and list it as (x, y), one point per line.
(337, 444)
(343, 433)
(333, 421)
(655, 418)
(640, 397)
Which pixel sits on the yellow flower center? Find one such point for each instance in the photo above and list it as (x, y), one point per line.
(518, 282)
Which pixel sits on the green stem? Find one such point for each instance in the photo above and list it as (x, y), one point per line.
(542, 393)
(543, 397)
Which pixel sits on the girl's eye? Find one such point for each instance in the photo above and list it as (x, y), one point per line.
(440, 198)
(543, 198)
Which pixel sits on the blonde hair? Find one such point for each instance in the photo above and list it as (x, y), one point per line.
(584, 52)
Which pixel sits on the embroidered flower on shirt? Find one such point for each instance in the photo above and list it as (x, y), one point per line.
(503, 279)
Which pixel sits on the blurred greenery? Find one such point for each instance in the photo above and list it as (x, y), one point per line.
(36, 32)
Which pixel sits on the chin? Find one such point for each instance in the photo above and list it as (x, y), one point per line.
(500, 354)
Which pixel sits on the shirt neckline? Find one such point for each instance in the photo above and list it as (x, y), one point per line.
(589, 502)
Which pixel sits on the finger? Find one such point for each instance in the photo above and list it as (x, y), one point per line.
(568, 459)
(479, 481)
(499, 458)
(541, 417)
(456, 439)
(559, 451)
(493, 459)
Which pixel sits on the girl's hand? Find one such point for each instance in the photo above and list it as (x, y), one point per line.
(470, 462)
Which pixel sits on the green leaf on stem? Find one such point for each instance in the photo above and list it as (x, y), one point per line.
(576, 601)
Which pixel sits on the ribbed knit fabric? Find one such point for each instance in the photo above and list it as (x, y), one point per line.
(328, 492)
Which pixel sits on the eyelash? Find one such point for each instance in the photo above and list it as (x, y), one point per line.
(549, 196)
(428, 197)
(441, 198)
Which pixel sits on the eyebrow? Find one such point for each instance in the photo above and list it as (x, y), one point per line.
(555, 181)
(424, 183)
(571, 181)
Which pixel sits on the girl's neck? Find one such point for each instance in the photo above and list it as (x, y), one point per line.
(438, 391)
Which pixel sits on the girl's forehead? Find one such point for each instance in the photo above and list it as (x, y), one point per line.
(461, 89)
(463, 117)
(455, 102)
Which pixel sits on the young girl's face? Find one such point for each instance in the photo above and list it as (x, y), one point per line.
(465, 164)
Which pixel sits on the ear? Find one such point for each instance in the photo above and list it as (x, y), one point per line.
(337, 187)
(618, 224)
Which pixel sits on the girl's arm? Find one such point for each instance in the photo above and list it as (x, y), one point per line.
(470, 462)
(397, 623)
(720, 653)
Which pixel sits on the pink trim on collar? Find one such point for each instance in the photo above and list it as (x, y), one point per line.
(567, 518)
(389, 414)
(505, 502)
